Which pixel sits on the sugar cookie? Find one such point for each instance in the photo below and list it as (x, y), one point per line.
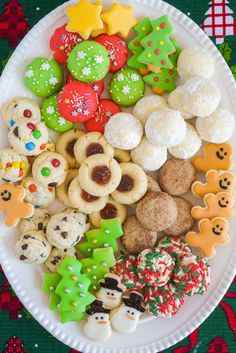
(111, 291)
(147, 105)
(65, 146)
(13, 166)
(175, 102)
(98, 326)
(57, 256)
(111, 210)
(63, 189)
(38, 194)
(38, 222)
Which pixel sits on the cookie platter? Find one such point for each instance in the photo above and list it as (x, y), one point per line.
(152, 334)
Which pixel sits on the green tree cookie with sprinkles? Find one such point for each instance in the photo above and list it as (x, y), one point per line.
(43, 77)
(163, 81)
(98, 265)
(157, 45)
(143, 28)
(105, 237)
(50, 283)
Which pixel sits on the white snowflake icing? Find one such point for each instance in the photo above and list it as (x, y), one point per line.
(86, 71)
(53, 81)
(86, 112)
(29, 73)
(81, 54)
(134, 77)
(108, 114)
(98, 59)
(61, 121)
(45, 66)
(126, 90)
(112, 56)
(122, 42)
(120, 77)
(74, 113)
(95, 88)
(50, 110)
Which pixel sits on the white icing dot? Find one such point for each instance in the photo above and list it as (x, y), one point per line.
(51, 288)
(69, 268)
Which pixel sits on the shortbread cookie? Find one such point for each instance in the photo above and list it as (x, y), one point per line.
(99, 175)
(111, 210)
(133, 184)
(38, 222)
(62, 190)
(184, 220)
(33, 247)
(57, 256)
(90, 144)
(40, 195)
(83, 201)
(13, 166)
(65, 146)
(50, 169)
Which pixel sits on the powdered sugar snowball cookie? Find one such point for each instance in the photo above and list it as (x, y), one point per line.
(165, 127)
(29, 139)
(39, 195)
(200, 97)
(217, 127)
(163, 301)
(194, 62)
(189, 146)
(155, 266)
(33, 247)
(175, 246)
(38, 222)
(148, 156)
(146, 105)
(13, 166)
(64, 231)
(123, 131)
(192, 275)
(50, 168)
(57, 256)
(175, 102)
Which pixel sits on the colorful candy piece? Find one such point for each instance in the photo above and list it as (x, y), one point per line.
(98, 265)
(98, 86)
(157, 45)
(73, 287)
(77, 102)
(106, 109)
(104, 237)
(117, 50)
(111, 290)
(143, 28)
(80, 22)
(98, 327)
(89, 61)
(62, 42)
(50, 283)
(119, 19)
(11, 202)
(13, 166)
(215, 182)
(219, 205)
(211, 233)
(216, 156)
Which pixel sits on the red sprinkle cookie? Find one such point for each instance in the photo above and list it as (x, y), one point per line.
(98, 86)
(77, 102)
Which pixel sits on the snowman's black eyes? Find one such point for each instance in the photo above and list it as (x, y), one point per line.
(96, 318)
(108, 293)
(102, 317)
(128, 311)
(132, 313)
(112, 294)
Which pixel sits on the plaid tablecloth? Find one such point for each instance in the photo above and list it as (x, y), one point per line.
(19, 332)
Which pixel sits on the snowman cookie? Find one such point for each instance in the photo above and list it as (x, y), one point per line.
(13, 166)
(50, 169)
(125, 318)
(98, 327)
(38, 222)
(38, 194)
(111, 291)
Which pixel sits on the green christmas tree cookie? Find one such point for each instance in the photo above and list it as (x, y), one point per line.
(163, 81)
(97, 266)
(157, 45)
(68, 316)
(110, 231)
(50, 283)
(143, 28)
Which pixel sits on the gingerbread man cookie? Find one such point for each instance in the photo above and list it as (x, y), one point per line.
(11, 201)
(215, 182)
(211, 233)
(216, 156)
(219, 205)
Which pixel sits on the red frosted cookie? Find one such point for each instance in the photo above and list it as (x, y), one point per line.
(117, 50)
(62, 42)
(98, 86)
(77, 102)
(106, 108)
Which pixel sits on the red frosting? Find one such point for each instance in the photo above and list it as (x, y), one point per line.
(98, 86)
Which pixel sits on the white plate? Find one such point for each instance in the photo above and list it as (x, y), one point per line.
(158, 334)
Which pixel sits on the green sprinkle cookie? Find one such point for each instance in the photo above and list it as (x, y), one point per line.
(89, 61)
(126, 87)
(51, 116)
(43, 77)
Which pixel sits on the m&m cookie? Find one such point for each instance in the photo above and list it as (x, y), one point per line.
(105, 110)
(13, 166)
(38, 194)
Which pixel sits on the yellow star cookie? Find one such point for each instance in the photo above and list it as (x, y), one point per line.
(103, 30)
(84, 18)
(119, 19)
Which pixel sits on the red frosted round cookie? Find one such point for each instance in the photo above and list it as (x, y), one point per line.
(98, 86)
(77, 102)
(117, 50)
(62, 42)
(106, 108)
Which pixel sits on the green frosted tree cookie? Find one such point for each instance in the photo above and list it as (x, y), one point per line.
(51, 116)
(68, 316)
(43, 77)
(126, 87)
(89, 61)
(50, 283)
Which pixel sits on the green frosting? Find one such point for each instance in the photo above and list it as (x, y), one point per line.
(89, 61)
(50, 283)
(126, 87)
(43, 77)
(51, 116)
(68, 316)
